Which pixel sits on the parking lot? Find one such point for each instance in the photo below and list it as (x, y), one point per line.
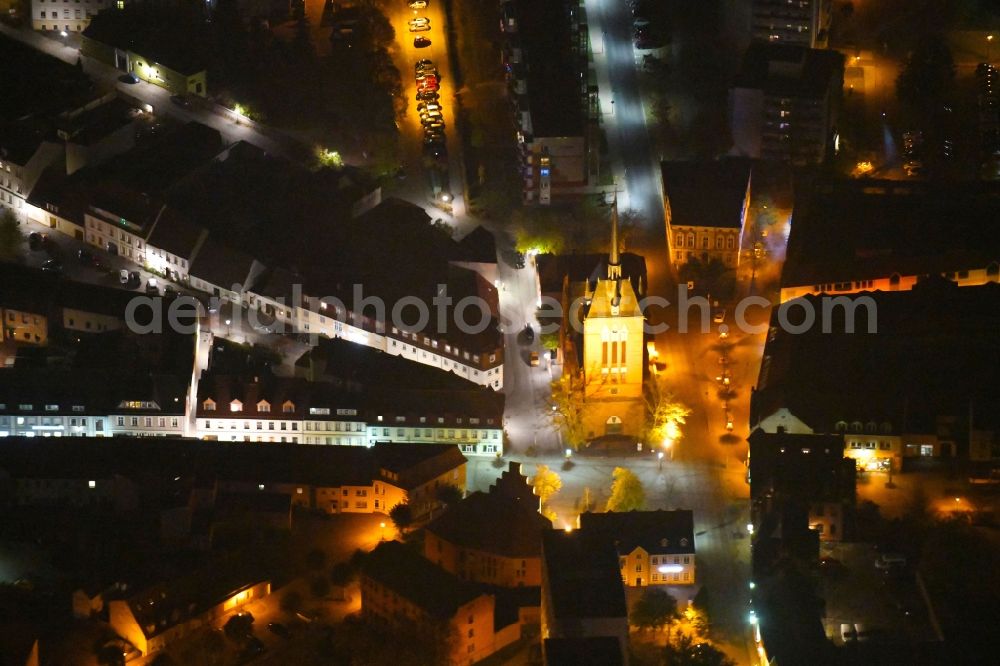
(885, 605)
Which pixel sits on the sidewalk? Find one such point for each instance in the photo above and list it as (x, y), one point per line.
(595, 17)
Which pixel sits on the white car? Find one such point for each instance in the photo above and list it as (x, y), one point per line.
(417, 4)
(420, 24)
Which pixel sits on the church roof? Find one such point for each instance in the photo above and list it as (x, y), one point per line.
(609, 293)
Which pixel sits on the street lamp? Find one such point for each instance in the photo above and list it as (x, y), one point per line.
(668, 444)
(382, 527)
(659, 459)
(569, 453)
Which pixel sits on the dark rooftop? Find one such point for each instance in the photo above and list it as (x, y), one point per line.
(219, 264)
(299, 395)
(176, 234)
(789, 70)
(513, 528)
(477, 246)
(706, 194)
(803, 467)
(583, 576)
(36, 84)
(589, 651)
(404, 571)
(164, 35)
(586, 267)
(19, 141)
(863, 229)
(553, 67)
(415, 464)
(92, 125)
(935, 352)
(657, 532)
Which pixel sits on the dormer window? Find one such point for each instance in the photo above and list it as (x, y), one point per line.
(841, 426)
(288, 407)
(208, 405)
(264, 407)
(664, 543)
(684, 543)
(236, 406)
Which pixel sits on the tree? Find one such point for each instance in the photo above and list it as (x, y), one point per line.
(665, 414)
(654, 609)
(11, 237)
(110, 655)
(448, 494)
(546, 483)
(567, 412)
(928, 75)
(683, 651)
(627, 493)
(401, 516)
(238, 627)
(550, 340)
(710, 276)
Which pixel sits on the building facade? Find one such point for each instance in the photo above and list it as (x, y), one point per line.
(654, 547)
(803, 22)
(67, 15)
(705, 205)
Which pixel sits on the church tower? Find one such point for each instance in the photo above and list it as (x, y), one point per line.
(612, 350)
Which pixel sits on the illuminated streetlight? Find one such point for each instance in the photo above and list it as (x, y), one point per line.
(659, 458)
(382, 526)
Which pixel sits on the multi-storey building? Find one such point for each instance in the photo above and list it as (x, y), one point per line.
(546, 61)
(809, 473)
(505, 550)
(654, 547)
(784, 103)
(575, 561)
(298, 411)
(804, 22)
(401, 588)
(853, 236)
(67, 15)
(25, 151)
(705, 204)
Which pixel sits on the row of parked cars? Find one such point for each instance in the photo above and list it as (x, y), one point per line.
(429, 107)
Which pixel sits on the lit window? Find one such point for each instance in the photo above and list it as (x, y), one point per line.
(92, 484)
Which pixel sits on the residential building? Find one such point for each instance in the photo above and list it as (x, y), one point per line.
(504, 549)
(89, 404)
(654, 547)
(854, 372)
(401, 588)
(26, 149)
(546, 64)
(149, 42)
(784, 103)
(809, 472)
(171, 245)
(64, 16)
(613, 366)
(472, 419)
(331, 479)
(705, 205)
(582, 592)
(157, 616)
(23, 324)
(804, 22)
(414, 473)
(852, 236)
(223, 271)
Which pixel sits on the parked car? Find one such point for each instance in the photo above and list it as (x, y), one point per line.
(129, 78)
(417, 4)
(35, 241)
(429, 96)
(123, 276)
(152, 287)
(533, 359)
(529, 333)
(423, 62)
(279, 630)
(421, 42)
(52, 266)
(181, 101)
(419, 24)
(848, 632)
(719, 316)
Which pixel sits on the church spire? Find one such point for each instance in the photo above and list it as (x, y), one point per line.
(614, 262)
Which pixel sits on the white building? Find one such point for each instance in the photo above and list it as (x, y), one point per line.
(67, 15)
